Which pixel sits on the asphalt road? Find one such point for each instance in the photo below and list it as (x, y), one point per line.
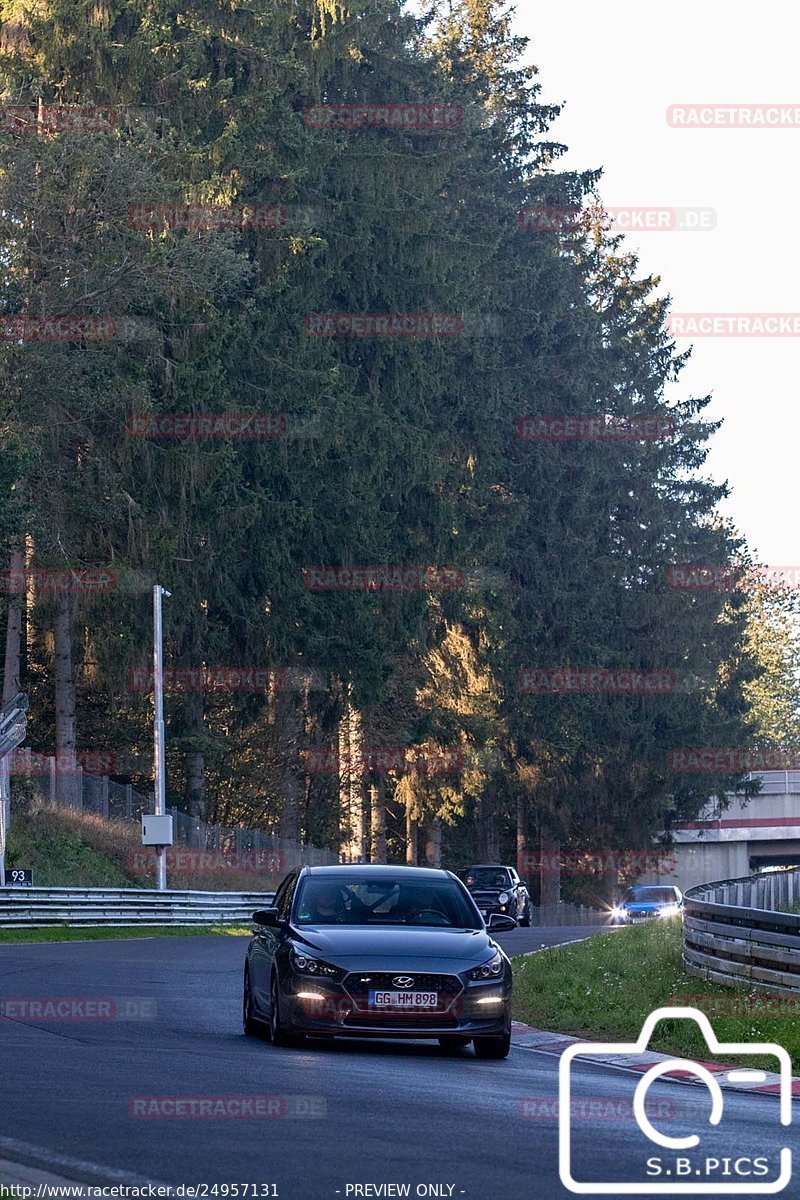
(349, 1114)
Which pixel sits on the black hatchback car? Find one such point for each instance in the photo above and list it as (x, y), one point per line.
(381, 952)
(498, 889)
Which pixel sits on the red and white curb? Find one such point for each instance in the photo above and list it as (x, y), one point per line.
(556, 1043)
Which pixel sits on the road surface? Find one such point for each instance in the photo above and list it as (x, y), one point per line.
(352, 1115)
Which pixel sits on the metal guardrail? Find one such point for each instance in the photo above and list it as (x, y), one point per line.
(733, 933)
(37, 907)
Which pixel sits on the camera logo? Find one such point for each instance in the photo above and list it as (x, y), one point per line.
(677, 1171)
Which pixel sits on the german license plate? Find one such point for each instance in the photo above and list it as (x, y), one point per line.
(403, 999)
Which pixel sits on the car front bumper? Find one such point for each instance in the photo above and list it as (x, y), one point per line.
(478, 1010)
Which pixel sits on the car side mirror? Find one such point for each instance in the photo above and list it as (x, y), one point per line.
(266, 916)
(499, 921)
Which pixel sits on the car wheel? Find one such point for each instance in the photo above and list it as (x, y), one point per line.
(279, 1036)
(525, 919)
(453, 1041)
(251, 1026)
(492, 1047)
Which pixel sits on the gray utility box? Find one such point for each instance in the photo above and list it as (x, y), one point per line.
(156, 831)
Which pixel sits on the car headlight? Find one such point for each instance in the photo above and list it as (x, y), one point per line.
(488, 970)
(617, 912)
(306, 965)
(504, 897)
(671, 910)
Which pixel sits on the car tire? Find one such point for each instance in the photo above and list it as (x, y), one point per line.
(251, 1025)
(279, 1035)
(525, 919)
(453, 1041)
(492, 1047)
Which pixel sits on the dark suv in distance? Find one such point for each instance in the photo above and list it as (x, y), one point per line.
(498, 889)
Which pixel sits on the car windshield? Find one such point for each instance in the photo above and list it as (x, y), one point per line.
(483, 877)
(654, 895)
(385, 901)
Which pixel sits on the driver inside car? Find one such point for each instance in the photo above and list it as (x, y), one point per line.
(326, 907)
(423, 904)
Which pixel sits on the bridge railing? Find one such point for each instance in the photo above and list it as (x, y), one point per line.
(735, 932)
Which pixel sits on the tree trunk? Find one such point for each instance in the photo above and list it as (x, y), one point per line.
(377, 802)
(66, 780)
(412, 833)
(610, 884)
(293, 792)
(196, 770)
(522, 835)
(433, 842)
(16, 602)
(550, 870)
(352, 796)
(488, 833)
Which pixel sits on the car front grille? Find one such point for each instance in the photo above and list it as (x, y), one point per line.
(359, 984)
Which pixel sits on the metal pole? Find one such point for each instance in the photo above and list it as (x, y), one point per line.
(4, 815)
(160, 792)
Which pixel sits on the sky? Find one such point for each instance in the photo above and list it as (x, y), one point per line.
(618, 67)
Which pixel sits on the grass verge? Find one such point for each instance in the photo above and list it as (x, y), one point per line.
(605, 987)
(68, 847)
(74, 933)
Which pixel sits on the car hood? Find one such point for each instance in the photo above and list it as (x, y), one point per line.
(415, 948)
(647, 905)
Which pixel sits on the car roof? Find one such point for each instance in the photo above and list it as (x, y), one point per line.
(379, 870)
(487, 867)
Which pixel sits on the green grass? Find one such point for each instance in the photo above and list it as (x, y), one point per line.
(73, 933)
(58, 854)
(606, 986)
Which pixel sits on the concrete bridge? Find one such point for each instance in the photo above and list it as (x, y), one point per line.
(745, 837)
